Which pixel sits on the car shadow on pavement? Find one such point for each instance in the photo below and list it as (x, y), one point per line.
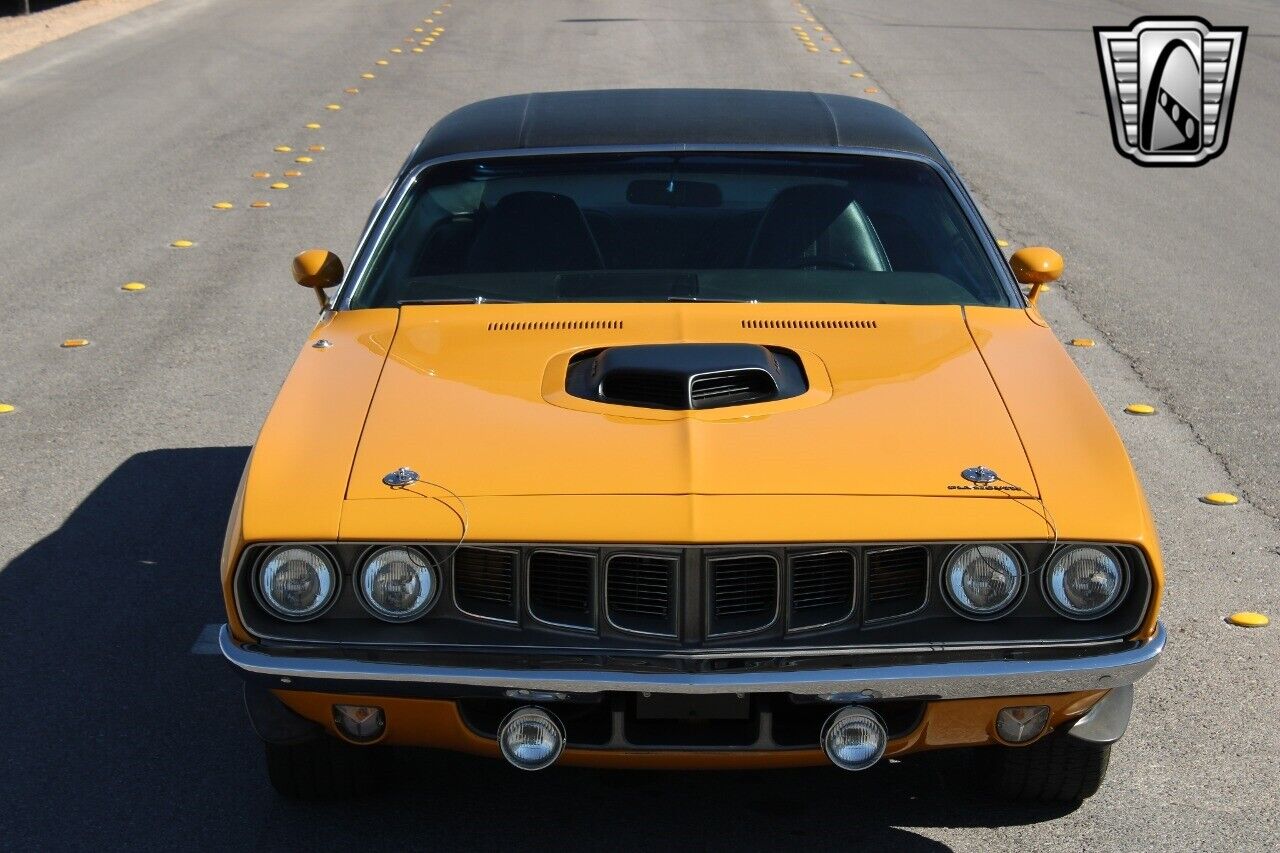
(120, 735)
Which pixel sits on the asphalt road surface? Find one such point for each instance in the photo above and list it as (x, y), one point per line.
(118, 463)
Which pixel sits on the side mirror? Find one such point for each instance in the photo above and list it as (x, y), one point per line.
(317, 269)
(1036, 266)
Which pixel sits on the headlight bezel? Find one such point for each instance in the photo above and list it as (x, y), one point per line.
(1122, 591)
(331, 562)
(944, 576)
(358, 583)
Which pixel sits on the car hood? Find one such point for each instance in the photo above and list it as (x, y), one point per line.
(900, 402)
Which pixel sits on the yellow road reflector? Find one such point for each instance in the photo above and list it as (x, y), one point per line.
(1249, 619)
(438, 30)
(397, 50)
(419, 30)
(73, 343)
(333, 107)
(259, 204)
(312, 125)
(858, 74)
(819, 29)
(837, 50)
(222, 205)
(1220, 499)
(133, 286)
(436, 12)
(812, 49)
(846, 62)
(351, 90)
(279, 185)
(282, 149)
(1082, 342)
(5, 408)
(797, 28)
(418, 49)
(1140, 409)
(427, 41)
(182, 244)
(871, 90)
(293, 173)
(1002, 243)
(315, 147)
(303, 159)
(261, 175)
(382, 62)
(368, 75)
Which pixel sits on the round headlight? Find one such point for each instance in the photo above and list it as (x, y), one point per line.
(298, 582)
(1085, 582)
(982, 580)
(398, 584)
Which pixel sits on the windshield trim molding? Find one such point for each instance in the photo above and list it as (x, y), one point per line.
(376, 231)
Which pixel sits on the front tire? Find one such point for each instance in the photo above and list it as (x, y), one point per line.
(323, 769)
(1055, 769)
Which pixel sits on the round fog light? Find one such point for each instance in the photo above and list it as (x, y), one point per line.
(530, 738)
(1021, 723)
(359, 723)
(854, 738)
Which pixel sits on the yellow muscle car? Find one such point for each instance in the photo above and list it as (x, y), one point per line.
(686, 429)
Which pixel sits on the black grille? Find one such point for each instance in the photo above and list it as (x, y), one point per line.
(731, 388)
(484, 582)
(897, 580)
(562, 588)
(744, 593)
(640, 593)
(821, 588)
(662, 390)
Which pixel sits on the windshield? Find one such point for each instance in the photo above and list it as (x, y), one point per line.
(650, 228)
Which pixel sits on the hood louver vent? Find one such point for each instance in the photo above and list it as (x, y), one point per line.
(553, 325)
(809, 324)
(686, 376)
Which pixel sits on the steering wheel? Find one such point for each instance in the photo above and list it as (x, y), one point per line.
(822, 262)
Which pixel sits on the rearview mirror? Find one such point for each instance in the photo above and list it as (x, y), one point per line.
(317, 269)
(1036, 266)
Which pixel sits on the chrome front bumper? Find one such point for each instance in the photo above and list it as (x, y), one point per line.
(1009, 675)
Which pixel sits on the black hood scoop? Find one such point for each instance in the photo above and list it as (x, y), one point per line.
(686, 376)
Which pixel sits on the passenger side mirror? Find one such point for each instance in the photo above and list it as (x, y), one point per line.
(317, 269)
(1036, 266)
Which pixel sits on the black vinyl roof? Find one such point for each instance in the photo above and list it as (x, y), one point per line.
(685, 117)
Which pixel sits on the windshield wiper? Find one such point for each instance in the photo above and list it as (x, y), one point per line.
(706, 299)
(461, 300)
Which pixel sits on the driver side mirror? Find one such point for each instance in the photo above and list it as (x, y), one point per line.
(1036, 266)
(317, 269)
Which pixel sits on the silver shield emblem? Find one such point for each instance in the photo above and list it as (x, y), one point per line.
(1170, 86)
